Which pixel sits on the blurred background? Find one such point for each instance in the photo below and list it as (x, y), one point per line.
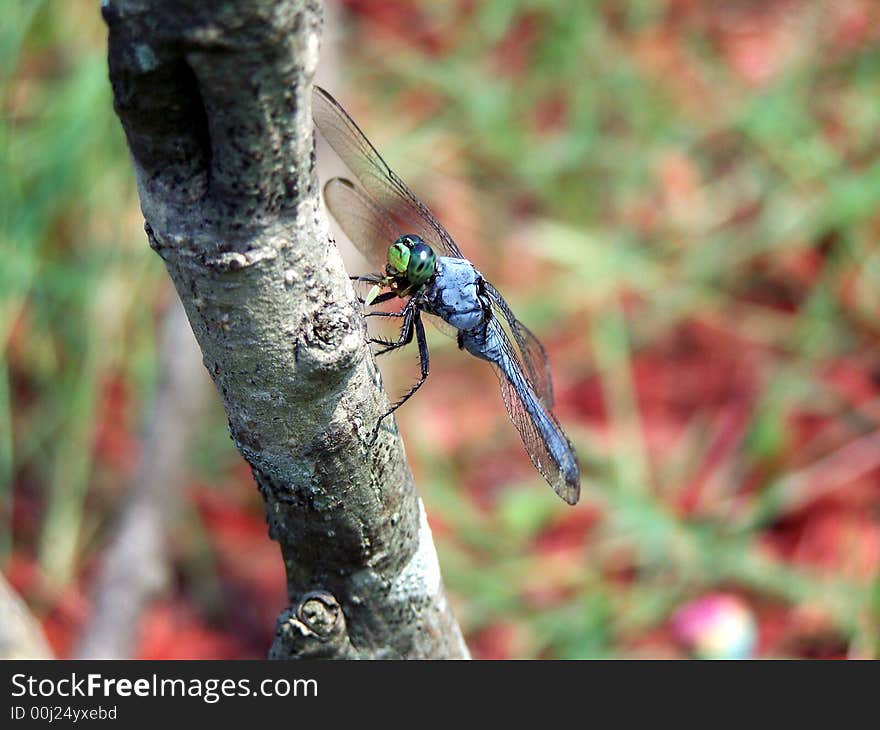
(680, 197)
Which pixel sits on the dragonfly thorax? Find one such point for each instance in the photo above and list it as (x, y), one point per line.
(410, 257)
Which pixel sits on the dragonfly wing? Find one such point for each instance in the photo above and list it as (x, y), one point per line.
(363, 221)
(440, 325)
(545, 442)
(531, 353)
(373, 173)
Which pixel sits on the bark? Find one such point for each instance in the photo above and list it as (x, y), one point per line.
(215, 102)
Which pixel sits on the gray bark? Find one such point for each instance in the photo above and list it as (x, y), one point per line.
(215, 102)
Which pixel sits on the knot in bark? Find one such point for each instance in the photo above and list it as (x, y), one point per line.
(315, 628)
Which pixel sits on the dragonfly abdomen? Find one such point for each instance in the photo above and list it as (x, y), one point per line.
(546, 443)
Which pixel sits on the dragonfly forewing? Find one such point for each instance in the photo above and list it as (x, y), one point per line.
(365, 223)
(377, 178)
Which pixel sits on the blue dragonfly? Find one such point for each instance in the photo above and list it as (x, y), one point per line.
(419, 262)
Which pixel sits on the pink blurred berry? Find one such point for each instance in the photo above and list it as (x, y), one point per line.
(716, 626)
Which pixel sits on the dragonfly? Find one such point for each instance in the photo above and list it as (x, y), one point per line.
(419, 262)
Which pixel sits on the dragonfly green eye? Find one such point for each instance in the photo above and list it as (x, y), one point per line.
(411, 256)
(399, 255)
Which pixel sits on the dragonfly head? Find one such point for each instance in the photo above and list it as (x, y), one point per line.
(411, 257)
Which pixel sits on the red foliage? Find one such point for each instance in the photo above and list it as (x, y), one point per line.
(500, 640)
(551, 113)
(175, 631)
(402, 19)
(513, 52)
(249, 565)
(114, 443)
(568, 533)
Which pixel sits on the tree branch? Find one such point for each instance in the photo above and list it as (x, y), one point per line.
(140, 536)
(215, 102)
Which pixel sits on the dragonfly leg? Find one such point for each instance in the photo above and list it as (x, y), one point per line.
(424, 366)
(386, 314)
(406, 330)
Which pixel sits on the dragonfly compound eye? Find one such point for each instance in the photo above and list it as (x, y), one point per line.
(411, 256)
(421, 263)
(399, 256)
